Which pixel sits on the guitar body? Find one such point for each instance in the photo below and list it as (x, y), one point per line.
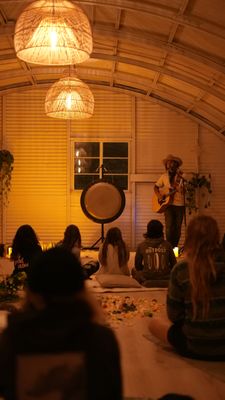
(160, 206)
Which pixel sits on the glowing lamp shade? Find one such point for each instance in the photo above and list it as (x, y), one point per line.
(53, 32)
(69, 98)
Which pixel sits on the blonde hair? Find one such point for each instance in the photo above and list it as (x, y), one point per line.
(201, 243)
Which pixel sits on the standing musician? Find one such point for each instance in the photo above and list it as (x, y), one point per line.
(169, 190)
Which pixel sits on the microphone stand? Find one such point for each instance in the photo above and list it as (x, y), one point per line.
(183, 181)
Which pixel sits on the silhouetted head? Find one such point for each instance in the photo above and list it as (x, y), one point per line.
(202, 235)
(55, 272)
(114, 236)
(72, 237)
(154, 229)
(172, 163)
(24, 241)
(175, 396)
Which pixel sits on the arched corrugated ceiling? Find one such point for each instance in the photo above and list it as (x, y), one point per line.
(168, 51)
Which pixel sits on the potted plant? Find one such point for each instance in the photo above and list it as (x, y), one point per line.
(11, 285)
(199, 186)
(6, 168)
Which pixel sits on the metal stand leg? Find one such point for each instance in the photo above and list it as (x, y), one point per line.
(101, 239)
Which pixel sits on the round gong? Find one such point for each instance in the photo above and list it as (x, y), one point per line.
(102, 201)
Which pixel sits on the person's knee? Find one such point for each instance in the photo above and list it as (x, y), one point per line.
(159, 328)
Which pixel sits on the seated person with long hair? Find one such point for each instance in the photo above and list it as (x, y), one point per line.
(25, 246)
(114, 254)
(56, 346)
(196, 296)
(72, 242)
(154, 257)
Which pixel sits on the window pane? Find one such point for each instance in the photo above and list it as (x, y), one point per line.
(89, 157)
(116, 166)
(86, 165)
(119, 180)
(115, 149)
(81, 181)
(86, 149)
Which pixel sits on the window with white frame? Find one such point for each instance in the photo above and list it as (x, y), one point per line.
(96, 160)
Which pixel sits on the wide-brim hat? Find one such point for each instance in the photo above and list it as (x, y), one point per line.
(170, 157)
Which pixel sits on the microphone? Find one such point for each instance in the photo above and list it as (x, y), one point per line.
(181, 175)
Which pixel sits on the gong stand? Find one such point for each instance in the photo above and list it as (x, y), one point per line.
(101, 239)
(102, 170)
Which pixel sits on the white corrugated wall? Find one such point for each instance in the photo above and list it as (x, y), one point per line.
(42, 192)
(39, 185)
(212, 160)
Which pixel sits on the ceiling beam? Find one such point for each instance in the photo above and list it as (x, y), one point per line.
(172, 34)
(148, 39)
(145, 39)
(153, 9)
(34, 70)
(162, 70)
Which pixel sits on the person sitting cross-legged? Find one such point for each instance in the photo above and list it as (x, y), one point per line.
(114, 254)
(195, 327)
(154, 257)
(25, 246)
(72, 242)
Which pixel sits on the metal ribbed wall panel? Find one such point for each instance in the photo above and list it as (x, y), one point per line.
(160, 132)
(144, 211)
(111, 119)
(212, 161)
(39, 184)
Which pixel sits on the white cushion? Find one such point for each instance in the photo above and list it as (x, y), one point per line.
(116, 280)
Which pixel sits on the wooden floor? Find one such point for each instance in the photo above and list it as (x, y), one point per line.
(151, 370)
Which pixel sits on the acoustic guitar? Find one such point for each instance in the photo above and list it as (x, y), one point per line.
(159, 206)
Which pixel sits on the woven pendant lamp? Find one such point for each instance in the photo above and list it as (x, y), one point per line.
(69, 98)
(53, 32)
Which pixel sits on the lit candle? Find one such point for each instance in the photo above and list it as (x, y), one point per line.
(176, 251)
(9, 252)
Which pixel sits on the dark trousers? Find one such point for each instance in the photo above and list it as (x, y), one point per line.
(173, 219)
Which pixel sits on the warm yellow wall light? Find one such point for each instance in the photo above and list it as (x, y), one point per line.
(53, 32)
